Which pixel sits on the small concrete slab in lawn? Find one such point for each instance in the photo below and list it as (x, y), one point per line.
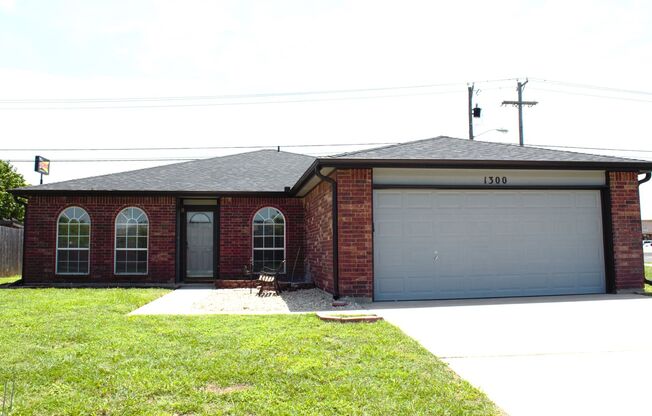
(348, 318)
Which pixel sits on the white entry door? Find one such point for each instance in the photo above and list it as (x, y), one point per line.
(199, 248)
(447, 244)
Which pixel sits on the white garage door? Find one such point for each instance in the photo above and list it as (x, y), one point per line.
(446, 244)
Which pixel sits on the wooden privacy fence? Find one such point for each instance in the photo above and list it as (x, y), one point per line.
(11, 251)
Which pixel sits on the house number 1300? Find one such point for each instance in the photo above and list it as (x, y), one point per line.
(495, 180)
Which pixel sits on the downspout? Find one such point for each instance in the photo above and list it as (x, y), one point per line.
(22, 260)
(648, 176)
(336, 274)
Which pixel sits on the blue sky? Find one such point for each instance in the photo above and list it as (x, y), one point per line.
(118, 49)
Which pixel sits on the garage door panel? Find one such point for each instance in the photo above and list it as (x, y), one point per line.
(388, 200)
(587, 200)
(421, 228)
(479, 200)
(487, 243)
(563, 280)
(387, 255)
(588, 279)
(421, 284)
(415, 199)
(389, 229)
(391, 287)
(533, 200)
(449, 199)
(507, 200)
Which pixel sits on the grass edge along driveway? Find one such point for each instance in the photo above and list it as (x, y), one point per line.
(74, 351)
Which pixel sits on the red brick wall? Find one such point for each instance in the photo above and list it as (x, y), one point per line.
(354, 204)
(354, 200)
(41, 231)
(236, 216)
(319, 236)
(626, 227)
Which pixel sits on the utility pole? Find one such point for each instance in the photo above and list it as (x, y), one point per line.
(471, 110)
(520, 103)
(471, 88)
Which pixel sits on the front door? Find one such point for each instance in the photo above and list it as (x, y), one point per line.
(200, 253)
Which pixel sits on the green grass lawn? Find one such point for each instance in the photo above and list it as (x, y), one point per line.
(74, 351)
(648, 275)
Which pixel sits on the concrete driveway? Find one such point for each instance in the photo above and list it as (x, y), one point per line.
(565, 355)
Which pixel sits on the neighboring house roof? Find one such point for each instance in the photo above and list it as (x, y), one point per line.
(272, 171)
(259, 171)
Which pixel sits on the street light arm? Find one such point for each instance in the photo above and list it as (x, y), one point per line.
(487, 131)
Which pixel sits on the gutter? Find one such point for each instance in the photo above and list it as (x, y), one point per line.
(25, 193)
(336, 246)
(484, 164)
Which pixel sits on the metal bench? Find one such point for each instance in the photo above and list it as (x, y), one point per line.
(268, 279)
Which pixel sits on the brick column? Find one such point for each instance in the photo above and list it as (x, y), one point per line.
(318, 207)
(626, 227)
(354, 197)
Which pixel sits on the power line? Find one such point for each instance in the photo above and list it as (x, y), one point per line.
(153, 159)
(111, 160)
(108, 107)
(60, 103)
(232, 96)
(593, 87)
(610, 97)
(88, 149)
(177, 159)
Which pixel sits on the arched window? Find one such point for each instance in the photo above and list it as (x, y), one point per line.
(269, 239)
(73, 241)
(131, 235)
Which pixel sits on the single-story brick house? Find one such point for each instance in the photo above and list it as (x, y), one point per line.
(431, 219)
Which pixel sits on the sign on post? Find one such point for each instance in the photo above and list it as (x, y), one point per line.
(42, 166)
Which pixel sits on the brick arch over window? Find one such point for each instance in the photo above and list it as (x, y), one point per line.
(73, 241)
(131, 241)
(268, 233)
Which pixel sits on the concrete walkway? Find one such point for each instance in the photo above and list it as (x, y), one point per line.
(566, 355)
(206, 300)
(177, 302)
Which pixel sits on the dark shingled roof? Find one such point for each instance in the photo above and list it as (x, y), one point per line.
(260, 171)
(448, 148)
(272, 171)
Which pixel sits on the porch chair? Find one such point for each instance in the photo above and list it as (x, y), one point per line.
(268, 279)
(247, 272)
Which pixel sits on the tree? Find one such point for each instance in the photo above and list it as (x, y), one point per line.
(10, 207)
